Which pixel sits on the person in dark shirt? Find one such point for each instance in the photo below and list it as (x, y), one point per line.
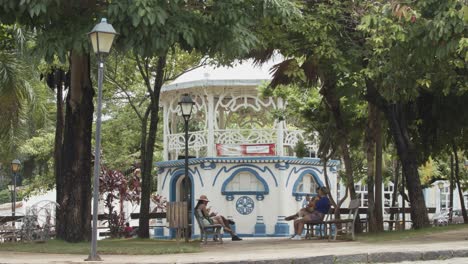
(321, 207)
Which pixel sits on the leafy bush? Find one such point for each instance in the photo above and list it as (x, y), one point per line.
(300, 149)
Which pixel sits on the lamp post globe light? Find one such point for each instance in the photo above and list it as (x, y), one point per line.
(186, 106)
(15, 168)
(102, 36)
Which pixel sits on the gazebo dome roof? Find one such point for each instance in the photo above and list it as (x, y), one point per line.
(244, 73)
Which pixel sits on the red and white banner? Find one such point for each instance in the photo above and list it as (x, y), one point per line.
(245, 150)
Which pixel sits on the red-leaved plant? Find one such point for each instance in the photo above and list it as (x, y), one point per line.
(114, 185)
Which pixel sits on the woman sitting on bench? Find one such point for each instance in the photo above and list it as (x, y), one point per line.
(213, 218)
(320, 205)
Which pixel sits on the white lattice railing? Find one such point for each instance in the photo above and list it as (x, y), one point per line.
(291, 137)
(198, 141)
(245, 136)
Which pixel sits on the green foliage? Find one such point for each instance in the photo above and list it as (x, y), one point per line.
(39, 149)
(300, 149)
(5, 196)
(25, 101)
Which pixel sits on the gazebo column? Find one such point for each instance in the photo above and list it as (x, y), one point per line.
(281, 226)
(210, 148)
(280, 131)
(165, 131)
(173, 130)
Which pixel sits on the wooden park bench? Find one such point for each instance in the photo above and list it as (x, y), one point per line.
(397, 223)
(205, 230)
(343, 226)
(320, 224)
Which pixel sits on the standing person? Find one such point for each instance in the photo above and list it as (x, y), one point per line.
(322, 206)
(215, 218)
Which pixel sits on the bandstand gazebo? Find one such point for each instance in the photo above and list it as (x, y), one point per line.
(240, 156)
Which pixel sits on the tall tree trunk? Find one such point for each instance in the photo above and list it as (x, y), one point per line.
(378, 172)
(147, 160)
(460, 188)
(58, 141)
(74, 214)
(370, 155)
(452, 184)
(334, 106)
(396, 175)
(399, 127)
(396, 117)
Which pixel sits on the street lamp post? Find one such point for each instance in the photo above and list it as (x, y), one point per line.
(186, 107)
(101, 37)
(15, 167)
(440, 184)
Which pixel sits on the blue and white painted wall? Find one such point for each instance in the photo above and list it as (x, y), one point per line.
(256, 192)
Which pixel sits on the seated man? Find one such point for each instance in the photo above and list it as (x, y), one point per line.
(321, 207)
(307, 209)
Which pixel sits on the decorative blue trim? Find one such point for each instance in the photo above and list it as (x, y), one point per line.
(199, 175)
(235, 173)
(159, 230)
(299, 180)
(245, 205)
(245, 166)
(259, 228)
(160, 170)
(165, 178)
(208, 165)
(260, 197)
(230, 197)
(282, 165)
(172, 173)
(295, 171)
(299, 196)
(269, 159)
(281, 227)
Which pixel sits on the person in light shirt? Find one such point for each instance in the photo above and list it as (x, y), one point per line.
(210, 218)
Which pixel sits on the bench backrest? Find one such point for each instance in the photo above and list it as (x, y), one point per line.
(353, 209)
(177, 214)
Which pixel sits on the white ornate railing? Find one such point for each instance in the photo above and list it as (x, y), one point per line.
(198, 145)
(245, 136)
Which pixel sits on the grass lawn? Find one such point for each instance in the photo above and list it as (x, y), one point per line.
(106, 246)
(409, 234)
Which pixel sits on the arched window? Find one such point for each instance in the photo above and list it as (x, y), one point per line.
(306, 183)
(244, 181)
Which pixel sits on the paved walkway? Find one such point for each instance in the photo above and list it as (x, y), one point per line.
(282, 250)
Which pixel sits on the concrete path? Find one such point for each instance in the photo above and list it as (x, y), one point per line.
(283, 250)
